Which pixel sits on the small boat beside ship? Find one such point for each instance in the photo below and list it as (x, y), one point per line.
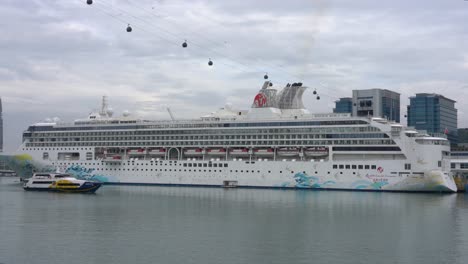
(59, 182)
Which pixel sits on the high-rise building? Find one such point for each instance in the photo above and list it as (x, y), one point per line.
(433, 113)
(377, 103)
(1, 126)
(344, 105)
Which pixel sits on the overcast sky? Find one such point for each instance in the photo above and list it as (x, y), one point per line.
(58, 57)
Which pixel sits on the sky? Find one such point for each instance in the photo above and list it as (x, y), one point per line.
(59, 57)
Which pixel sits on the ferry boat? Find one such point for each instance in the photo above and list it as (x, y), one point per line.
(58, 182)
(288, 147)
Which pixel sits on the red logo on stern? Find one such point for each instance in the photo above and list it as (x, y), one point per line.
(380, 169)
(260, 100)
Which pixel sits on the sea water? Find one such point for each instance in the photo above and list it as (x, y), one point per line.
(150, 224)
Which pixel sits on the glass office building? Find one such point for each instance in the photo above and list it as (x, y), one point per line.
(344, 105)
(435, 114)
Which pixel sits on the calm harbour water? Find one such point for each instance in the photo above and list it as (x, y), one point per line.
(148, 224)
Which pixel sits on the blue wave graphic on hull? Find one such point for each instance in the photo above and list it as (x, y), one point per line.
(83, 173)
(305, 181)
(362, 184)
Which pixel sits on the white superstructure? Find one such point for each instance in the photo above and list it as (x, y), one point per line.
(277, 143)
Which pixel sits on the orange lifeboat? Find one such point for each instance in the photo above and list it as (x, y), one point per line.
(140, 151)
(288, 151)
(316, 151)
(264, 152)
(239, 152)
(157, 152)
(216, 151)
(194, 152)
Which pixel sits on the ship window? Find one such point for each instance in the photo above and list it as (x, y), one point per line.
(373, 167)
(439, 163)
(348, 167)
(407, 166)
(360, 167)
(452, 165)
(225, 165)
(45, 155)
(215, 165)
(341, 166)
(353, 167)
(335, 166)
(204, 165)
(366, 167)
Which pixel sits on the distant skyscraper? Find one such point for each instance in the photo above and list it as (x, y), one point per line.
(1, 126)
(433, 113)
(344, 105)
(378, 103)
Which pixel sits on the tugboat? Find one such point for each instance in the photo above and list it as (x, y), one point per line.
(59, 182)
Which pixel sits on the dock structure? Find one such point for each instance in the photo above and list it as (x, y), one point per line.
(5, 171)
(460, 173)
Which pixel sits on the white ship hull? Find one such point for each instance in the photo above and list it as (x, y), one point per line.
(261, 174)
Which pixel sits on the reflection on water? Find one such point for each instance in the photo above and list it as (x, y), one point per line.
(132, 224)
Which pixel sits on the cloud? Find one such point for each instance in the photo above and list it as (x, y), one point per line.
(60, 57)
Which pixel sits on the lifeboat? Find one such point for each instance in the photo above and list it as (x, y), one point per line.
(113, 158)
(316, 151)
(157, 152)
(264, 152)
(288, 151)
(194, 152)
(139, 151)
(216, 151)
(239, 152)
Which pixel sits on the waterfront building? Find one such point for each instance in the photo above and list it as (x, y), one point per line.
(343, 105)
(377, 103)
(1, 126)
(433, 113)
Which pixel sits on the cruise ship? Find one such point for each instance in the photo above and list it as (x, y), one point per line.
(275, 144)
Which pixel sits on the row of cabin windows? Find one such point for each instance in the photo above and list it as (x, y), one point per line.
(205, 165)
(354, 167)
(209, 165)
(309, 130)
(170, 170)
(35, 146)
(462, 165)
(211, 137)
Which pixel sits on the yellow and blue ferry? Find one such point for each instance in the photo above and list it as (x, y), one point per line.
(59, 182)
